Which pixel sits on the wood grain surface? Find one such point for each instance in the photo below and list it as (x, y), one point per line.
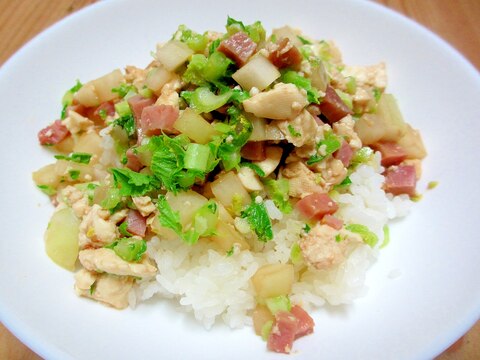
(455, 21)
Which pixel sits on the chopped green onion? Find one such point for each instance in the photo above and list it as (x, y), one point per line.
(347, 99)
(278, 303)
(129, 249)
(122, 108)
(351, 85)
(301, 82)
(266, 329)
(386, 236)
(206, 218)
(202, 100)
(362, 156)
(124, 89)
(254, 167)
(296, 254)
(278, 191)
(307, 228)
(303, 40)
(293, 132)
(123, 229)
(112, 199)
(196, 157)
(368, 237)
(432, 185)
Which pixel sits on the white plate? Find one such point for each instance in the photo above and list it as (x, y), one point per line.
(417, 315)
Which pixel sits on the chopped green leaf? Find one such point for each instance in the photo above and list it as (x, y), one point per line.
(303, 40)
(293, 132)
(168, 218)
(195, 41)
(368, 237)
(377, 94)
(74, 174)
(123, 229)
(124, 89)
(103, 114)
(307, 228)
(81, 158)
(327, 147)
(338, 238)
(254, 167)
(257, 216)
(92, 288)
(127, 122)
(344, 184)
(67, 98)
(132, 183)
(278, 192)
(231, 251)
(301, 82)
(47, 189)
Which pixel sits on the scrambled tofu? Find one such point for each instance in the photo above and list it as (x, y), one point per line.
(324, 247)
(76, 199)
(144, 205)
(105, 260)
(300, 131)
(303, 181)
(77, 123)
(345, 128)
(169, 93)
(97, 229)
(109, 289)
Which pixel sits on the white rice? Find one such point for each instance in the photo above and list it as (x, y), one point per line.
(214, 286)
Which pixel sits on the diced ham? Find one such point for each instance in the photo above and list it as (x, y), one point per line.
(285, 55)
(138, 103)
(316, 206)
(133, 162)
(158, 118)
(254, 151)
(401, 180)
(238, 47)
(344, 154)
(283, 332)
(136, 223)
(107, 107)
(332, 221)
(53, 134)
(392, 153)
(333, 107)
(305, 322)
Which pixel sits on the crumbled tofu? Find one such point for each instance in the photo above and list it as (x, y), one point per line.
(368, 76)
(284, 101)
(332, 172)
(135, 76)
(77, 123)
(105, 260)
(324, 247)
(109, 289)
(169, 93)
(345, 129)
(76, 199)
(302, 180)
(144, 205)
(96, 228)
(301, 130)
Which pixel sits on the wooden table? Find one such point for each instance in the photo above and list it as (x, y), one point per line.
(455, 21)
